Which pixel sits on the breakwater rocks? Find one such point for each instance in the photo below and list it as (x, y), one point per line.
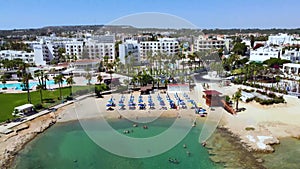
(17, 140)
(227, 149)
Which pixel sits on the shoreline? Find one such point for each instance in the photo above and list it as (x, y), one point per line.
(255, 116)
(16, 141)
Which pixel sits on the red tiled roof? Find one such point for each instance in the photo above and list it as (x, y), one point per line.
(212, 92)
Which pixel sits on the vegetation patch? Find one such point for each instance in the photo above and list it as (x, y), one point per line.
(249, 128)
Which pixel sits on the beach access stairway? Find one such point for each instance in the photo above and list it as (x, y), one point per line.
(228, 108)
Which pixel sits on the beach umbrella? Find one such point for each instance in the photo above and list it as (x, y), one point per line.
(109, 105)
(151, 104)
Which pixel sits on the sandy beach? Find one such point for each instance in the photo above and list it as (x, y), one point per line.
(13, 142)
(268, 123)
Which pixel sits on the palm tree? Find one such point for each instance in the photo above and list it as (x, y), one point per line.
(237, 96)
(40, 88)
(110, 67)
(99, 78)
(25, 81)
(3, 78)
(70, 82)
(41, 78)
(59, 79)
(46, 77)
(117, 64)
(19, 75)
(88, 77)
(150, 59)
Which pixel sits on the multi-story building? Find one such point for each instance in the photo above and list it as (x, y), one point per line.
(168, 46)
(26, 57)
(48, 47)
(74, 48)
(204, 43)
(47, 51)
(264, 53)
(100, 46)
(281, 39)
(129, 51)
(292, 55)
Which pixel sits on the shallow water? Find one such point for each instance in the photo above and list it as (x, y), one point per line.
(286, 155)
(66, 145)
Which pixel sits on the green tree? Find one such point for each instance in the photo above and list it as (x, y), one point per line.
(252, 40)
(3, 79)
(88, 77)
(59, 79)
(61, 54)
(70, 81)
(275, 62)
(236, 97)
(99, 78)
(25, 80)
(40, 89)
(239, 48)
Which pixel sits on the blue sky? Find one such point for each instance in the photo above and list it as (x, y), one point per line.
(203, 14)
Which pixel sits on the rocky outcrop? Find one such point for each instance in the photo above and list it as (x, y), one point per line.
(17, 142)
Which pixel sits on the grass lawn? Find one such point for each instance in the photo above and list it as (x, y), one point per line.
(10, 100)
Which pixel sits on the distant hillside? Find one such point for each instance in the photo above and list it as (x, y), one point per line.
(101, 29)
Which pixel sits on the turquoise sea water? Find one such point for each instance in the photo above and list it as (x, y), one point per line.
(66, 145)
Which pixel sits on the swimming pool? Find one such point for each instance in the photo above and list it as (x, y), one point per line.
(19, 85)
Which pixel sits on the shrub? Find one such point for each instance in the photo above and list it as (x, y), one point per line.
(249, 100)
(69, 98)
(250, 128)
(38, 106)
(48, 100)
(227, 99)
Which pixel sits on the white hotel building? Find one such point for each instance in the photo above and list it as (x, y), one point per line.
(282, 39)
(264, 53)
(130, 51)
(168, 46)
(204, 43)
(24, 56)
(98, 47)
(74, 48)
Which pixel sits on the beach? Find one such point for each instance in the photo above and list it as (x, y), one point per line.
(268, 123)
(14, 142)
(265, 124)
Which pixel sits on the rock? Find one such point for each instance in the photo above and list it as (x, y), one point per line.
(260, 160)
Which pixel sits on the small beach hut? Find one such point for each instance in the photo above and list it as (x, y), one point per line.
(212, 98)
